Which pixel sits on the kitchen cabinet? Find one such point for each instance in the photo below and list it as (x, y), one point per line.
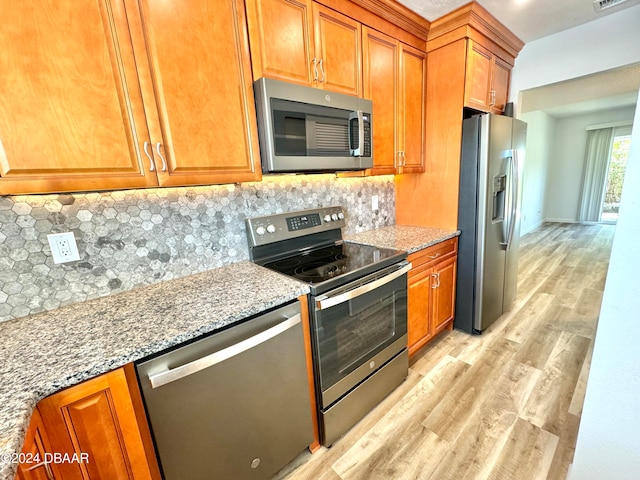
(395, 80)
(124, 94)
(487, 79)
(469, 54)
(431, 292)
(307, 43)
(101, 420)
(37, 451)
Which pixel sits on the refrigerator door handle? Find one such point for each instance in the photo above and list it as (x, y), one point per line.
(514, 196)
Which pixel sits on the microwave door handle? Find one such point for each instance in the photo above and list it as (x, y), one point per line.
(359, 150)
(325, 301)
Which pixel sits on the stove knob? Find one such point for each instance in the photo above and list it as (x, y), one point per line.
(334, 216)
(260, 230)
(327, 218)
(271, 228)
(341, 216)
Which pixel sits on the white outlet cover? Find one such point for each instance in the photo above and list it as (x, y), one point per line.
(63, 247)
(374, 203)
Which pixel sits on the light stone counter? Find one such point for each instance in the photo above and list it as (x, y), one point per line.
(49, 351)
(403, 237)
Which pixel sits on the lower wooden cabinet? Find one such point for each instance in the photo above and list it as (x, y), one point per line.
(431, 292)
(94, 430)
(37, 453)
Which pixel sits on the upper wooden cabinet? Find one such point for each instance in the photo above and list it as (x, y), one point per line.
(413, 77)
(202, 111)
(469, 56)
(71, 111)
(306, 43)
(395, 80)
(103, 95)
(487, 79)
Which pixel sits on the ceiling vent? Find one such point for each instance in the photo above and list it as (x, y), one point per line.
(600, 5)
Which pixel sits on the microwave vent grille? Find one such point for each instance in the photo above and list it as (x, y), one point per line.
(331, 137)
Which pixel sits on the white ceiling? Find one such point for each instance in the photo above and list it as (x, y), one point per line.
(527, 19)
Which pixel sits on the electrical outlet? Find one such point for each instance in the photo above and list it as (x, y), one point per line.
(374, 203)
(63, 247)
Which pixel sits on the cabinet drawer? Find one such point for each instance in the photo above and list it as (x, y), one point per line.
(434, 254)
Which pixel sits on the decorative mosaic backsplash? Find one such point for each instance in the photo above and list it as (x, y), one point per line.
(132, 238)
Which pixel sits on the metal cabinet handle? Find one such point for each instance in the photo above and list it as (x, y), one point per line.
(164, 162)
(324, 301)
(315, 69)
(404, 160)
(152, 165)
(47, 469)
(436, 277)
(322, 70)
(159, 379)
(434, 256)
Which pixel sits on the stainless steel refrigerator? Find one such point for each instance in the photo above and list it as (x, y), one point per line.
(490, 198)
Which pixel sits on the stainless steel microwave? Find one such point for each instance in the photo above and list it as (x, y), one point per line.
(305, 129)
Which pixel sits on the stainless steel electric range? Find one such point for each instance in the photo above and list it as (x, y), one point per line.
(357, 309)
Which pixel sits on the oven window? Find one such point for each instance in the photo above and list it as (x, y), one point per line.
(350, 333)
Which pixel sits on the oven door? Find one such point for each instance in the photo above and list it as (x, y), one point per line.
(357, 328)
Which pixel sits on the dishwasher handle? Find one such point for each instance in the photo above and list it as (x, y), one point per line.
(166, 376)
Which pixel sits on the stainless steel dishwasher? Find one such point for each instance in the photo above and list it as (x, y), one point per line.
(232, 405)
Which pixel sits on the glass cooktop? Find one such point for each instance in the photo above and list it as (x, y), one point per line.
(323, 264)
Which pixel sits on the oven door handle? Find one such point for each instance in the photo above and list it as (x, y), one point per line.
(323, 302)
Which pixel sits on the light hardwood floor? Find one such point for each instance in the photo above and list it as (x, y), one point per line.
(502, 405)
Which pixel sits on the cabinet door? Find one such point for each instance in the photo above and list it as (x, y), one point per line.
(500, 88)
(380, 54)
(98, 418)
(281, 38)
(419, 327)
(203, 90)
(338, 51)
(444, 293)
(71, 114)
(36, 445)
(478, 77)
(413, 76)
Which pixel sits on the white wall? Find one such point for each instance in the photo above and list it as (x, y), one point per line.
(540, 128)
(609, 42)
(566, 161)
(609, 437)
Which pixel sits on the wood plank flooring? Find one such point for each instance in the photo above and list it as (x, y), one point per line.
(503, 405)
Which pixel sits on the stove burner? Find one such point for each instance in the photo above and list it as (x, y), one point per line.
(318, 271)
(324, 253)
(286, 263)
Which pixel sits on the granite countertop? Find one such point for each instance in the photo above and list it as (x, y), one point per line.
(403, 237)
(49, 351)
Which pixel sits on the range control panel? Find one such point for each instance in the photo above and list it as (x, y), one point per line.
(284, 226)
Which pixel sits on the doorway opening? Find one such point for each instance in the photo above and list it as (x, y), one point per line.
(615, 178)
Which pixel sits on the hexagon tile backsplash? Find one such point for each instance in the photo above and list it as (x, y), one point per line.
(132, 238)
